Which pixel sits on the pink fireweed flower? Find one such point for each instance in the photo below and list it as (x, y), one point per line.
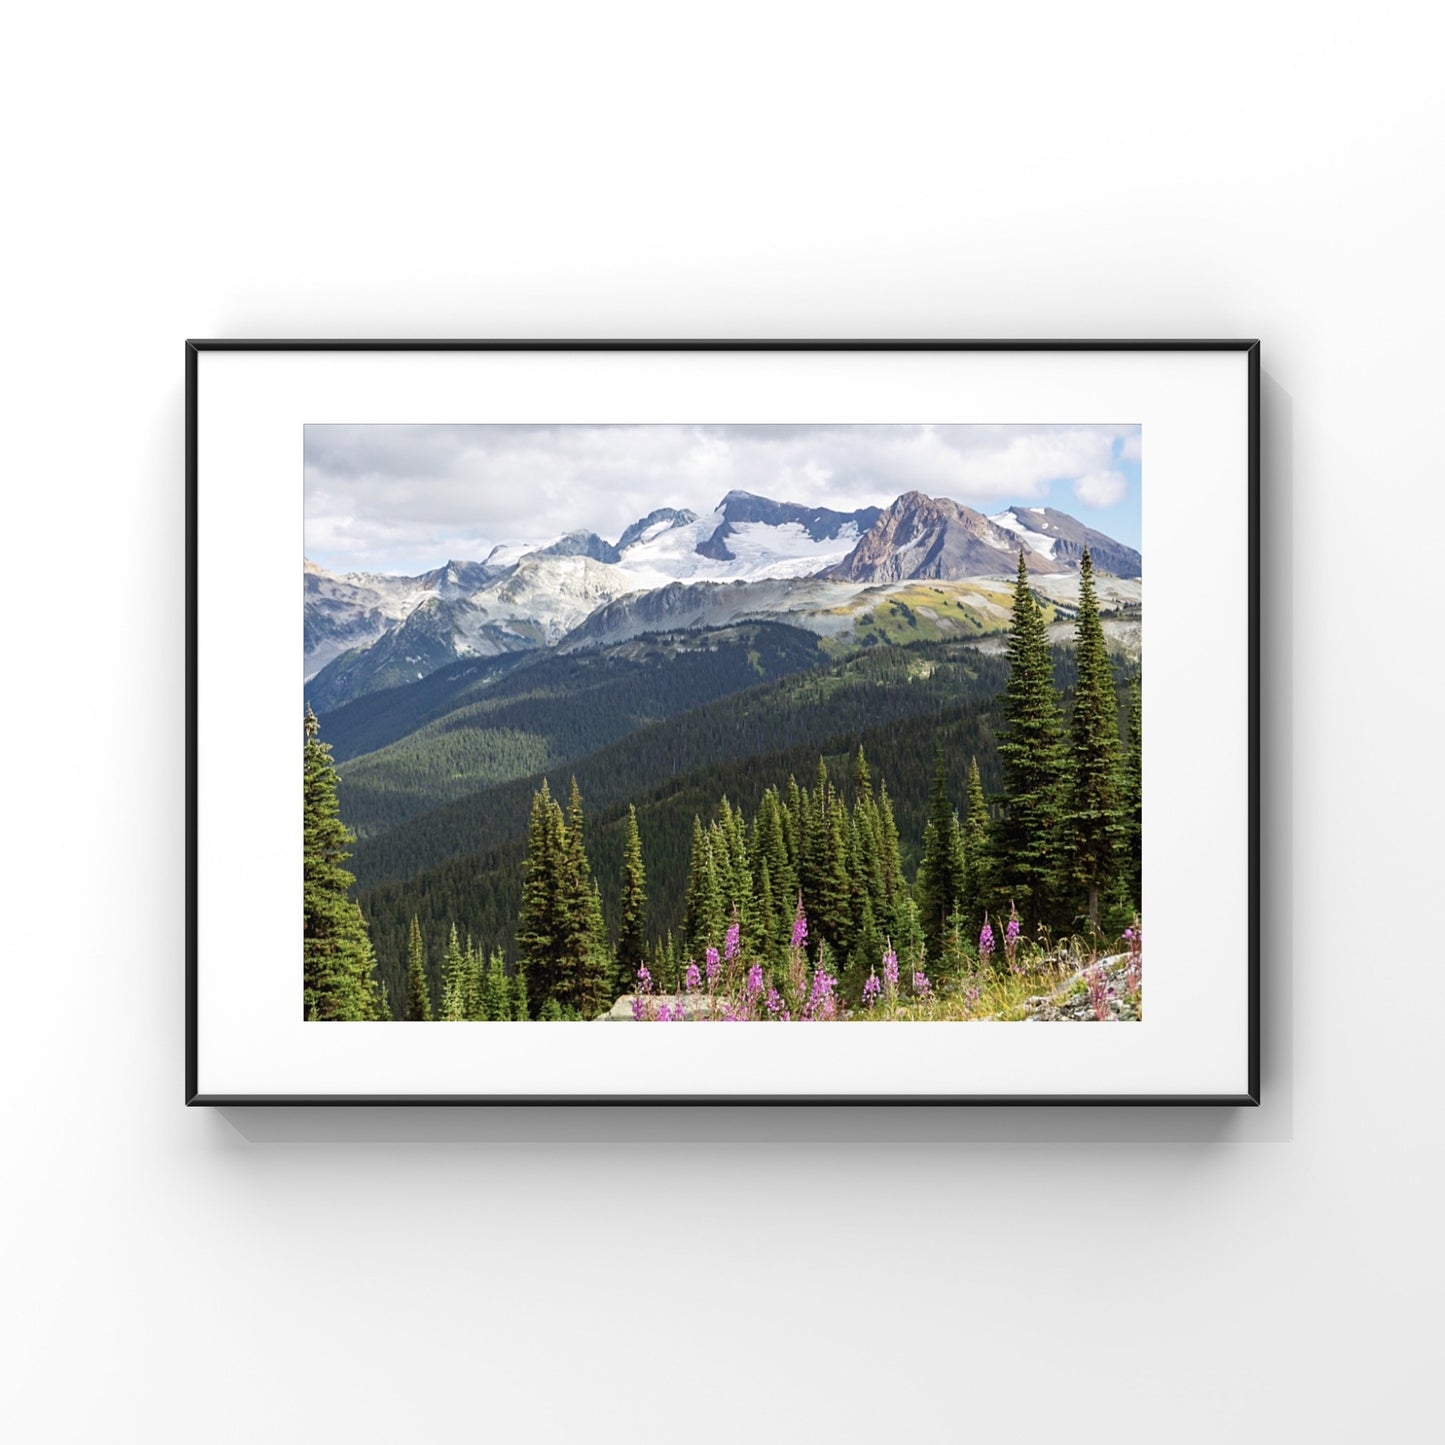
(800, 925)
(1100, 992)
(921, 985)
(890, 968)
(644, 987)
(821, 1003)
(776, 1008)
(871, 989)
(714, 964)
(1011, 933)
(985, 941)
(1134, 974)
(692, 981)
(733, 942)
(755, 980)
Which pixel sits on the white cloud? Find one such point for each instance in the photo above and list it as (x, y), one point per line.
(1101, 489)
(400, 497)
(1132, 448)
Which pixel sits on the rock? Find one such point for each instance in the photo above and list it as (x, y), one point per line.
(694, 1006)
(1070, 1002)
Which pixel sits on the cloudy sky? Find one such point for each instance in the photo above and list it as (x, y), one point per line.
(385, 498)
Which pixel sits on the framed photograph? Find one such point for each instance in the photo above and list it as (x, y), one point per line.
(794, 692)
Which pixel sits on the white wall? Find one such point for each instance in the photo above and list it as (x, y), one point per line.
(759, 169)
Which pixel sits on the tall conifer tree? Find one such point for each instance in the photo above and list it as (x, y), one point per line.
(418, 992)
(1094, 820)
(976, 852)
(1134, 793)
(1032, 754)
(454, 980)
(940, 870)
(632, 938)
(339, 981)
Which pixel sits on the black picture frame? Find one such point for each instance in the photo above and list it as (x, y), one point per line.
(193, 1096)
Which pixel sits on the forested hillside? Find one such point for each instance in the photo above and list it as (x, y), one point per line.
(843, 700)
(560, 708)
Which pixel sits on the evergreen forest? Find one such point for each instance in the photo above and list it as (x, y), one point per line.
(746, 818)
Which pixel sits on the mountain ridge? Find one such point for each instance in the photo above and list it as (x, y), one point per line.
(367, 631)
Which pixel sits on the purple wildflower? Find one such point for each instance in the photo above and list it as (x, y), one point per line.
(644, 979)
(985, 941)
(755, 980)
(1099, 992)
(1134, 974)
(871, 989)
(921, 985)
(693, 979)
(775, 1001)
(733, 942)
(821, 1003)
(639, 1007)
(890, 968)
(713, 965)
(800, 925)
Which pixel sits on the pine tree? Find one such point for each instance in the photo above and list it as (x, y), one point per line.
(454, 980)
(632, 939)
(833, 907)
(581, 960)
(1094, 819)
(497, 991)
(1134, 795)
(478, 999)
(978, 863)
(940, 870)
(521, 1001)
(418, 1000)
(339, 981)
(1034, 762)
(540, 925)
(597, 968)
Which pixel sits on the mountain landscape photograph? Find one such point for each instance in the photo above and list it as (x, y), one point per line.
(753, 723)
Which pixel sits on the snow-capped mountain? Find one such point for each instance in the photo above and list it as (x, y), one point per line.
(1062, 538)
(348, 612)
(653, 525)
(937, 539)
(670, 567)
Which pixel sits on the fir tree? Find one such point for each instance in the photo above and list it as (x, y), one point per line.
(478, 1005)
(338, 971)
(497, 991)
(1094, 819)
(940, 871)
(1031, 752)
(632, 939)
(454, 980)
(418, 1000)
(978, 867)
(1134, 795)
